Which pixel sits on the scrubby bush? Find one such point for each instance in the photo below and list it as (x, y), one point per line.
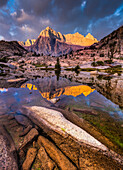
(94, 64)
(4, 60)
(108, 61)
(100, 63)
(102, 55)
(92, 55)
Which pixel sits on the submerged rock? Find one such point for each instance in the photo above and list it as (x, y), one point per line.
(86, 111)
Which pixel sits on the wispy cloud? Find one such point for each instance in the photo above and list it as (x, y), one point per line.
(83, 5)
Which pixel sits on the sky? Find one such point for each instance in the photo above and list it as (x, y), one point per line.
(24, 19)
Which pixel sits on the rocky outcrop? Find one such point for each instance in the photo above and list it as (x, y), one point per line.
(51, 146)
(56, 155)
(11, 48)
(31, 154)
(33, 133)
(115, 39)
(46, 162)
(57, 122)
(59, 140)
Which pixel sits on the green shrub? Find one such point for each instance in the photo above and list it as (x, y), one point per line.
(94, 64)
(4, 60)
(100, 63)
(108, 61)
(77, 68)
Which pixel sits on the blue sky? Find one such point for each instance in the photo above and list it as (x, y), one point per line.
(22, 19)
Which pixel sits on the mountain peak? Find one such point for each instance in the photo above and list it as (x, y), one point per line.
(89, 36)
(72, 39)
(47, 32)
(48, 28)
(50, 33)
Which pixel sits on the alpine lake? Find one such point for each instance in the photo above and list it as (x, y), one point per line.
(96, 99)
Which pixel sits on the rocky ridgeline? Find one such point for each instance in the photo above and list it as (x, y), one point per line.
(28, 42)
(54, 43)
(45, 138)
(8, 48)
(75, 39)
(113, 41)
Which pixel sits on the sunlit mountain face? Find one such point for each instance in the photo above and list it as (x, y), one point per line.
(68, 91)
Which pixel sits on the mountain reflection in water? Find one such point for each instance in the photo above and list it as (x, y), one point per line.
(80, 96)
(68, 91)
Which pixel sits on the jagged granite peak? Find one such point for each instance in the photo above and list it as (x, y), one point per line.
(79, 39)
(49, 32)
(28, 42)
(89, 36)
(54, 43)
(74, 39)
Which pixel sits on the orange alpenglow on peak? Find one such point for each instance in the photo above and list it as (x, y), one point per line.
(72, 39)
(49, 32)
(28, 42)
(89, 36)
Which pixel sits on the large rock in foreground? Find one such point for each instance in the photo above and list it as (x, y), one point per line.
(57, 121)
(77, 146)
